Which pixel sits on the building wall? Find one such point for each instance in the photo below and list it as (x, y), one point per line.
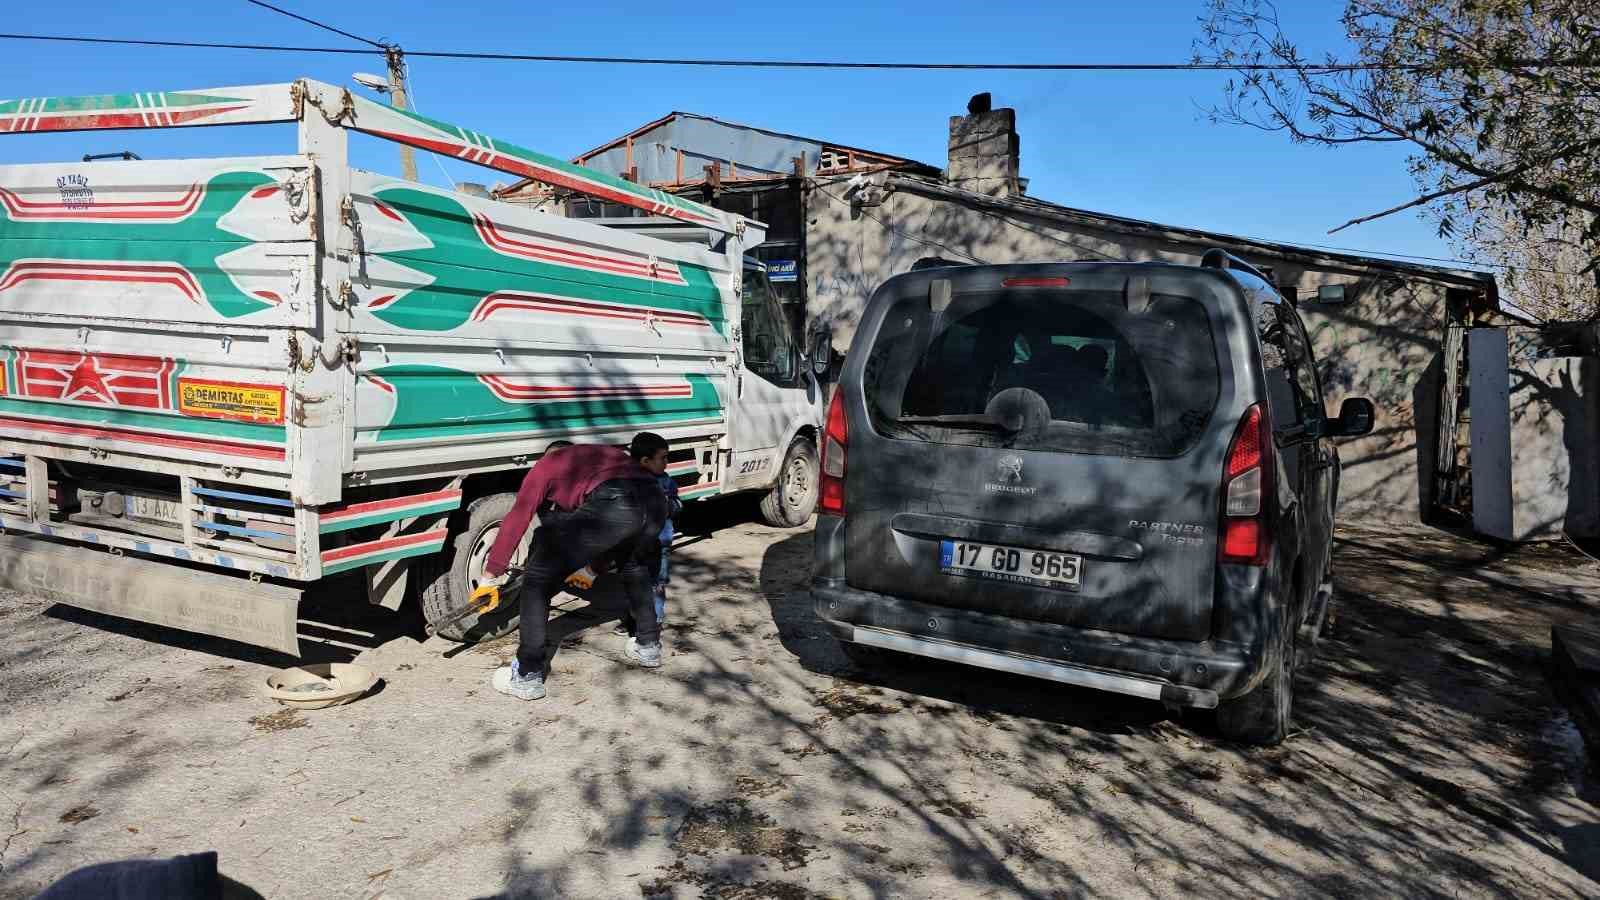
(1535, 425)
(1383, 344)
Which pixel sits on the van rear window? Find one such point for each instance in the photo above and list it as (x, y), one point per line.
(1064, 370)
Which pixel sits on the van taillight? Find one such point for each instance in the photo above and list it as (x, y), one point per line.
(835, 438)
(1246, 490)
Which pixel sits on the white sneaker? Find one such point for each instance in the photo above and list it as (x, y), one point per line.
(647, 655)
(507, 680)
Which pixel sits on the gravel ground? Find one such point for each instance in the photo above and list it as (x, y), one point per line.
(1429, 760)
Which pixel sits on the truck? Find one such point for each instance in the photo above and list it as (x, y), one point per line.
(226, 380)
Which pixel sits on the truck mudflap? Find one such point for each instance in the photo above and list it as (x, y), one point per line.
(160, 593)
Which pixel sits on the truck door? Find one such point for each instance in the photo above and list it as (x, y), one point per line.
(766, 385)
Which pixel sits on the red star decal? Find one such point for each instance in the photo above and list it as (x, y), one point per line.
(87, 384)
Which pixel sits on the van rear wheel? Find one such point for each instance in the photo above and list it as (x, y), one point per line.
(792, 500)
(1262, 716)
(448, 579)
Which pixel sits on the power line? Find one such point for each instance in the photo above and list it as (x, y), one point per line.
(323, 25)
(1327, 69)
(197, 45)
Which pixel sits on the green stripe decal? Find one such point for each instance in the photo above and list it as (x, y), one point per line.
(194, 243)
(148, 421)
(463, 270)
(436, 402)
(108, 102)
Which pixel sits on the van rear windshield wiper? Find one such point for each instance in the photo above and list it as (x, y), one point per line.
(974, 423)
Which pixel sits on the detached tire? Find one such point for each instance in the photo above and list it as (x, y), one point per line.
(791, 501)
(1262, 716)
(447, 580)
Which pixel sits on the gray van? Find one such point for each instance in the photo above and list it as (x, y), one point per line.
(1113, 475)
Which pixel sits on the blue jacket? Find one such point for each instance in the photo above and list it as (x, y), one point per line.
(669, 486)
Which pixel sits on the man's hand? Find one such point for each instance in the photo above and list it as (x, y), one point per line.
(583, 579)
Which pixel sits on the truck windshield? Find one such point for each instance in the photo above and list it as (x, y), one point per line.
(1096, 377)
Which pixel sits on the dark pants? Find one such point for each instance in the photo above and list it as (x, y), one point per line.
(619, 523)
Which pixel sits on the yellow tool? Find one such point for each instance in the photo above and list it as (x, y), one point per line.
(484, 600)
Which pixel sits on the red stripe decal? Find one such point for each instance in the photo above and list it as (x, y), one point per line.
(640, 268)
(565, 306)
(513, 391)
(18, 208)
(38, 270)
(394, 543)
(361, 509)
(119, 434)
(547, 175)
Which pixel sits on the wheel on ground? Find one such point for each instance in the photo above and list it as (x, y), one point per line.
(790, 502)
(1262, 716)
(447, 580)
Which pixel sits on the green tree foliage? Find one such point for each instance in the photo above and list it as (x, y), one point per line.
(1498, 99)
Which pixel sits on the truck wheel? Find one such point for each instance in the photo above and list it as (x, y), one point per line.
(790, 502)
(1262, 716)
(449, 578)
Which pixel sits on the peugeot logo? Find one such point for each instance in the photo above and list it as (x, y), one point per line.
(1010, 469)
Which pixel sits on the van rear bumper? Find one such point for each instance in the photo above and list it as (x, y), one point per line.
(1177, 672)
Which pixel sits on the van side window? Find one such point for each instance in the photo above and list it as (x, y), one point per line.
(766, 344)
(1292, 393)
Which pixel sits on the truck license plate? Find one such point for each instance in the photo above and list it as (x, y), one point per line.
(154, 509)
(1044, 568)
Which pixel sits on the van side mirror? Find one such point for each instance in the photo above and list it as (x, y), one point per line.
(821, 350)
(1356, 415)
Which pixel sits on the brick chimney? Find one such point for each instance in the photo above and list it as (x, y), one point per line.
(984, 150)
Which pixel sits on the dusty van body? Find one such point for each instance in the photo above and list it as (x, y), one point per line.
(1112, 475)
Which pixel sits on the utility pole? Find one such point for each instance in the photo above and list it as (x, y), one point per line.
(397, 99)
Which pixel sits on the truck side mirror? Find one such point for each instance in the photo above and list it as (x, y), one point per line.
(821, 349)
(1356, 415)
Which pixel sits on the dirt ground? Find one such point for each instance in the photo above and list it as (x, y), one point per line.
(1429, 760)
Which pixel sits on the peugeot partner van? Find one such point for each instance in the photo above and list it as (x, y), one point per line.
(1113, 475)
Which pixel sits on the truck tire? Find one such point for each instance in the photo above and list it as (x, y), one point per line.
(790, 502)
(1262, 716)
(448, 579)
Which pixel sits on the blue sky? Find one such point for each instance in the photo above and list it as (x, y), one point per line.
(1129, 144)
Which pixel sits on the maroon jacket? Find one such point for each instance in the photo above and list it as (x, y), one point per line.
(565, 478)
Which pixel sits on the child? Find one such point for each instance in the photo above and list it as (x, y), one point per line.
(669, 486)
(624, 627)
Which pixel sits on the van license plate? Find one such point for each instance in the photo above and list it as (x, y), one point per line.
(1044, 568)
